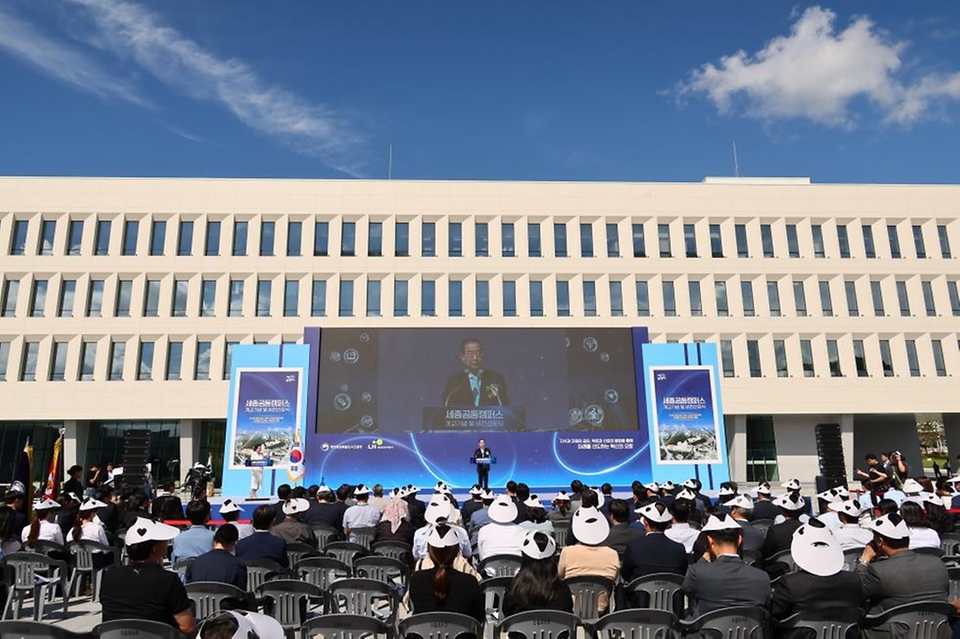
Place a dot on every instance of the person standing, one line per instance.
(256, 470)
(483, 468)
(73, 483)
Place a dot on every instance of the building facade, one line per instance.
(121, 299)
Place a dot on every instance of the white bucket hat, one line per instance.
(476, 490)
(92, 504)
(829, 495)
(442, 487)
(791, 484)
(668, 486)
(538, 545)
(438, 508)
(487, 494)
(741, 501)
(790, 502)
(503, 510)
(296, 506)
(46, 504)
(848, 507)
(816, 550)
(590, 526)
(250, 625)
(361, 490)
(891, 526)
(443, 536)
(562, 496)
(691, 484)
(229, 506)
(652, 513)
(533, 502)
(720, 521)
(912, 487)
(763, 488)
(652, 487)
(687, 494)
(726, 491)
(147, 530)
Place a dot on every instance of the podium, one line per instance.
(483, 461)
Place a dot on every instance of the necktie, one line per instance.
(475, 386)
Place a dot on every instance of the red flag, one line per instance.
(52, 490)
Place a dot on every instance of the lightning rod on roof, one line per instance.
(736, 162)
(390, 161)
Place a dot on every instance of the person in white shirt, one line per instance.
(44, 526)
(437, 511)
(378, 501)
(362, 515)
(680, 530)
(922, 534)
(501, 536)
(231, 512)
(826, 516)
(850, 534)
(87, 527)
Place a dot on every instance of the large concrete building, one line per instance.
(121, 298)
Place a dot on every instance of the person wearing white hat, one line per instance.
(763, 507)
(536, 516)
(695, 486)
(560, 507)
(363, 515)
(850, 534)
(239, 624)
(220, 564)
(741, 509)
(230, 512)
(291, 529)
(683, 507)
(44, 526)
(87, 528)
(906, 576)
(501, 536)
(724, 579)
(922, 534)
(441, 587)
(481, 516)
(589, 557)
(911, 487)
(654, 552)
(826, 516)
(780, 535)
(134, 591)
(536, 586)
(728, 490)
(820, 580)
(439, 510)
(197, 539)
(472, 505)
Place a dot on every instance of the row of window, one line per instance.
(151, 292)
(770, 246)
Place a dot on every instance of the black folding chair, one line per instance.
(638, 624)
(587, 591)
(920, 620)
(736, 622)
(37, 630)
(439, 625)
(540, 624)
(345, 627)
(208, 597)
(825, 623)
(135, 629)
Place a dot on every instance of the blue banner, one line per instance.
(685, 422)
(267, 410)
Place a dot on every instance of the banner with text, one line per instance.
(268, 414)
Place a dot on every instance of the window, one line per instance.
(48, 233)
(669, 299)
(616, 299)
(806, 358)
(373, 297)
(456, 239)
(780, 357)
(151, 299)
(11, 288)
(181, 290)
(124, 298)
(174, 361)
(928, 302)
(850, 289)
(860, 358)
(536, 298)
(4, 360)
(483, 298)
(18, 243)
(88, 360)
(68, 292)
(145, 362)
(894, 239)
(240, 230)
(773, 296)
(903, 298)
(613, 240)
(228, 358)
(348, 239)
(117, 352)
(28, 367)
(716, 241)
(402, 248)
(876, 292)
(800, 298)
(400, 298)
(321, 239)
(869, 248)
(75, 237)
(291, 298)
(938, 362)
(918, 241)
(740, 230)
(643, 299)
(560, 240)
(766, 240)
(185, 239)
(208, 298)
(723, 306)
(663, 233)
(793, 243)
(201, 366)
(563, 298)
(639, 241)
(913, 362)
(816, 231)
(58, 362)
(945, 252)
(826, 300)
(843, 241)
(833, 357)
(589, 298)
(346, 298)
(455, 298)
(954, 297)
(295, 237)
(318, 298)
(38, 298)
(690, 240)
(886, 358)
(101, 239)
(428, 298)
(95, 298)
(753, 358)
(586, 240)
(533, 239)
(264, 292)
(509, 298)
(726, 357)
(696, 300)
(482, 241)
(428, 247)
(508, 239)
(211, 244)
(746, 293)
(236, 299)
(268, 230)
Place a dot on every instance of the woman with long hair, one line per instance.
(537, 586)
(87, 527)
(44, 526)
(443, 588)
(922, 534)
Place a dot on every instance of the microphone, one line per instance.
(446, 400)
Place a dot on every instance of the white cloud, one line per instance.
(817, 73)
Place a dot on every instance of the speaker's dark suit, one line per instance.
(483, 469)
(723, 583)
(493, 390)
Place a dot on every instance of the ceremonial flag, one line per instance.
(52, 491)
(297, 468)
(23, 474)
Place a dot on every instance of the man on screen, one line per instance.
(475, 385)
(483, 468)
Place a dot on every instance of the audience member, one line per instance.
(283, 494)
(261, 544)
(13, 501)
(87, 528)
(291, 529)
(136, 506)
(536, 517)
(501, 536)
(537, 586)
(763, 507)
(239, 624)
(741, 509)
(220, 564)
(621, 533)
(43, 527)
(680, 531)
(363, 515)
(780, 536)
(67, 515)
(826, 516)
(588, 557)
(472, 505)
(560, 507)
(73, 484)
(230, 512)
(395, 524)
(438, 511)
(588, 499)
(654, 552)
(443, 588)
(520, 496)
(481, 516)
(850, 535)
(415, 506)
(922, 534)
(377, 500)
(197, 539)
(167, 505)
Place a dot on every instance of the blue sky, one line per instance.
(851, 92)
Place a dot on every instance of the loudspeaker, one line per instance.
(830, 454)
(826, 482)
(136, 454)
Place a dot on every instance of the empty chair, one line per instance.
(394, 550)
(954, 591)
(208, 597)
(736, 622)
(363, 536)
(826, 623)
(33, 574)
(950, 544)
(638, 624)
(260, 571)
(439, 625)
(345, 551)
(50, 549)
(288, 600)
(36, 630)
(368, 597)
(325, 534)
(135, 629)
(659, 591)
(83, 553)
(540, 624)
(920, 620)
(493, 590)
(500, 566)
(383, 569)
(181, 566)
(345, 627)
(586, 592)
(322, 571)
(298, 550)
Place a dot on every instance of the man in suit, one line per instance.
(261, 544)
(475, 385)
(724, 580)
(741, 509)
(764, 508)
(483, 468)
(780, 536)
(654, 552)
(621, 534)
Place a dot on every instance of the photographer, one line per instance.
(197, 479)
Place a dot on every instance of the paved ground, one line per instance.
(82, 617)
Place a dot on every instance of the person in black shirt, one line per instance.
(144, 590)
(654, 552)
(443, 588)
(73, 483)
(13, 500)
(219, 564)
(283, 493)
(780, 536)
(537, 586)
